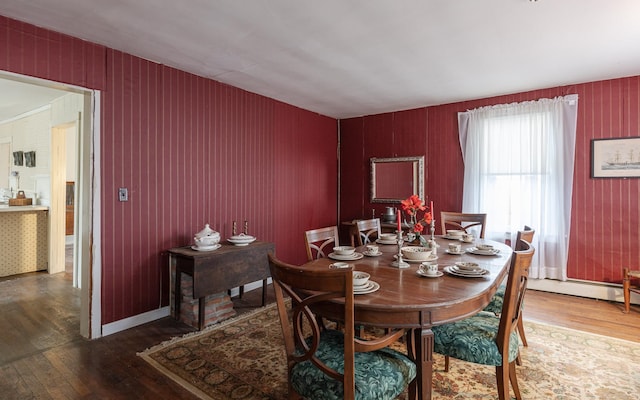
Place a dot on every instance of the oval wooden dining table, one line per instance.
(407, 300)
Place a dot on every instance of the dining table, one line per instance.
(405, 298)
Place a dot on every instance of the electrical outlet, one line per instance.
(123, 194)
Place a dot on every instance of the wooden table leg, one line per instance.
(201, 304)
(264, 292)
(176, 293)
(423, 346)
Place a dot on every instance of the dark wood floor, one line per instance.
(42, 355)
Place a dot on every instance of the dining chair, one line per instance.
(368, 230)
(468, 222)
(627, 287)
(485, 339)
(327, 363)
(495, 305)
(319, 240)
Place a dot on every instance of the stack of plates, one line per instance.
(368, 287)
(241, 239)
(478, 252)
(382, 241)
(350, 257)
(466, 270)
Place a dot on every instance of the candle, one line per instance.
(431, 210)
(399, 224)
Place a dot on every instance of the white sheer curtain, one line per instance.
(518, 168)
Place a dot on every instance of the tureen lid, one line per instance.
(207, 231)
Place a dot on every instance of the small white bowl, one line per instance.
(387, 237)
(484, 246)
(416, 253)
(360, 278)
(344, 250)
(467, 266)
(454, 232)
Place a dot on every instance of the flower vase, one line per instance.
(423, 241)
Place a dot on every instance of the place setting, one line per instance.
(453, 234)
(388, 238)
(483, 249)
(345, 253)
(454, 249)
(362, 284)
(466, 270)
(372, 251)
(429, 270)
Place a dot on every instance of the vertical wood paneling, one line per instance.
(605, 231)
(191, 151)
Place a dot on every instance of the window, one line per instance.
(519, 170)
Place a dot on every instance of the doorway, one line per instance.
(83, 126)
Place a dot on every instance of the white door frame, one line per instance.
(87, 248)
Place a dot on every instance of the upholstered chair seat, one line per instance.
(474, 339)
(382, 374)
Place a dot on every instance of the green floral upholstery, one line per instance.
(473, 339)
(381, 374)
(495, 305)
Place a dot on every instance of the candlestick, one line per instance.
(399, 263)
(246, 227)
(233, 230)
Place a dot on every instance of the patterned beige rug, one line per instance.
(243, 358)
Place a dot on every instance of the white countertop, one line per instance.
(8, 208)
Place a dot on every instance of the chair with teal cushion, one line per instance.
(325, 363)
(495, 305)
(485, 339)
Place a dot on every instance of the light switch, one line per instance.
(123, 194)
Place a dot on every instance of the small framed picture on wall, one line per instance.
(18, 159)
(615, 158)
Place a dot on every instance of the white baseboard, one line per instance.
(589, 289)
(136, 320)
(153, 315)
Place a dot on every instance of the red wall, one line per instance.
(191, 151)
(605, 223)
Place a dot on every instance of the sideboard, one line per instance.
(219, 270)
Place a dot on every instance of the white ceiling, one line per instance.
(346, 58)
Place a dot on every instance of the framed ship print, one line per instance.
(615, 158)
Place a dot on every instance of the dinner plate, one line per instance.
(454, 271)
(455, 253)
(370, 287)
(422, 273)
(478, 252)
(368, 254)
(386, 241)
(206, 248)
(430, 258)
(350, 257)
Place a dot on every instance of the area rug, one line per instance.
(243, 358)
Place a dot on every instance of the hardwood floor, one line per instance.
(43, 356)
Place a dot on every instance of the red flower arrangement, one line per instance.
(413, 206)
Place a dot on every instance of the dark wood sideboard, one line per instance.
(219, 270)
